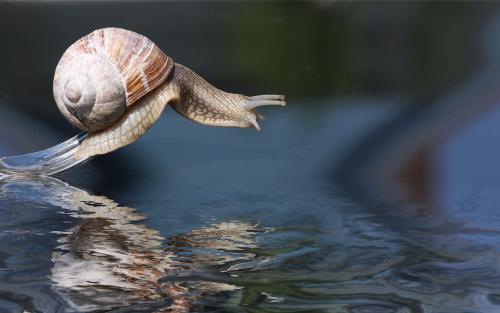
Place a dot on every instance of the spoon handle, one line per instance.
(50, 161)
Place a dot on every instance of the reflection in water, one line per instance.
(108, 260)
(95, 256)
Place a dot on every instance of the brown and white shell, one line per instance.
(103, 73)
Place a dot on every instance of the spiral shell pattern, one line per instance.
(104, 73)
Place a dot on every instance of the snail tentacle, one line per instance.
(267, 97)
(250, 104)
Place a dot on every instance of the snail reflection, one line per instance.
(108, 260)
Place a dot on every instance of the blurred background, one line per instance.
(380, 178)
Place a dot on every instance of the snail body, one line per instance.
(114, 84)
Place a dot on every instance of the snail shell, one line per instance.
(105, 72)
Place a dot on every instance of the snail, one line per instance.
(113, 84)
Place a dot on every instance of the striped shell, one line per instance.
(103, 73)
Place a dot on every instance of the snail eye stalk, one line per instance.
(46, 162)
(263, 100)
